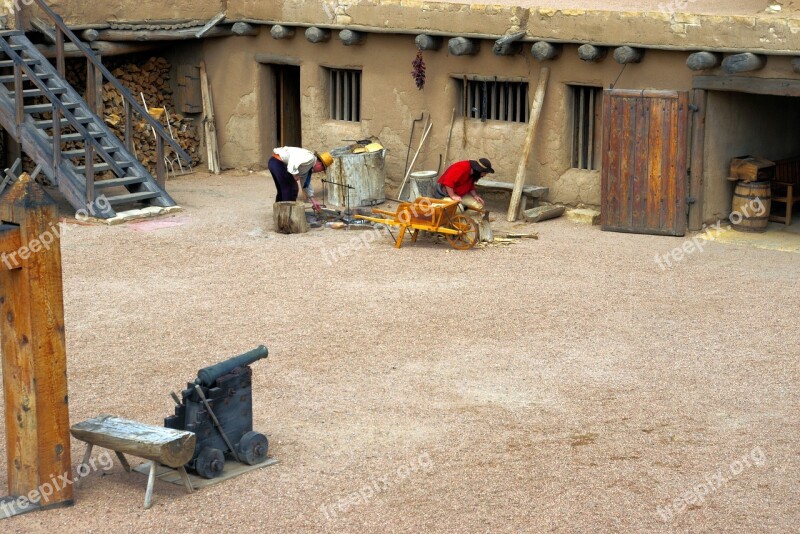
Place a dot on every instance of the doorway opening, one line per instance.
(288, 130)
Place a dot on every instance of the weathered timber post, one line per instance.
(34, 352)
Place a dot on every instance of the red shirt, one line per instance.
(459, 177)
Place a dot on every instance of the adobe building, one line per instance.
(647, 101)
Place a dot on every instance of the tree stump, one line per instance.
(289, 217)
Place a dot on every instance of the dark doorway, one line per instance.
(288, 128)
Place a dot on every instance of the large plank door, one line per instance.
(645, 152)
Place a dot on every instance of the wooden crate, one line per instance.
(752, 169)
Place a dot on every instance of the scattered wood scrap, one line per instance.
(543, 213)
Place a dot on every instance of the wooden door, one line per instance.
(645, 151)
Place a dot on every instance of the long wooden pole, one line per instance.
(410, 167)
(212, 149)
(34, 354)
(449, 135)
(519, 182)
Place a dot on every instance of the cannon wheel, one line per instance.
(253, 448)
(467, 233)
(210, 463)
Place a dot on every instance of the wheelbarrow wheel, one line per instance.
(210, 463)
(253, 448)
(467, 233)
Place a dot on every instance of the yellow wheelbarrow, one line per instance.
(430, 215)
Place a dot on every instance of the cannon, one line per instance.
(218, 408)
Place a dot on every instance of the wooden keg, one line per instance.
(750, 206)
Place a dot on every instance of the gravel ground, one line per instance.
(560, 384)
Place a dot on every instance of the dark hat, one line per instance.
(482, 165)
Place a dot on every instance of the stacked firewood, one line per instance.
(149, 78)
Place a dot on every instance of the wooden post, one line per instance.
(696, 179)
(34, 353)
(538, 102)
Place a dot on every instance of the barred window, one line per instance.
(586, 112)
(345, 94)
(493, 100)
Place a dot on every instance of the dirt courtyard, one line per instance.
(563, 384)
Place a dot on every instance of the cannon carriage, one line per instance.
(218, 408)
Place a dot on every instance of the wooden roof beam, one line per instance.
(461, 46)
(628, 54)
(544, 51)
(746, 62)
(591, 53)
(279, 31)
(352, 38)
(508, 45)
(318, 35)
(703, 61)
(428, 42)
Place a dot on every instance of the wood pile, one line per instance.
(151, 78)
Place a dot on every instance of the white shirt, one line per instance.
(298, 160)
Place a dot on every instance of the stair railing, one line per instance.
(59, 109)
(96, 72)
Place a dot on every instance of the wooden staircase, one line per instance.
(42, 111)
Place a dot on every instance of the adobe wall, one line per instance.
(391, 101)
(665, 27)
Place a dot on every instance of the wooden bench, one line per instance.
(528, 191)
(160, 445)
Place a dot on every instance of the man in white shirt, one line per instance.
(291, 169)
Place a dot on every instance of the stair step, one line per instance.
(81, 152)
(115, 182)
(100, 167)
(10, 78)
(10, 62)
(48, 123)
(132, 197)
(44, 108)
(30, 93)
(78, 137)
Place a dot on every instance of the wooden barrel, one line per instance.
(289, 217)
(364, 173)
(750, 207)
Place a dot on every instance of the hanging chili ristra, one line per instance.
(419, 70)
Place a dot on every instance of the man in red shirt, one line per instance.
(458, 182)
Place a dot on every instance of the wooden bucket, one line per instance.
(750, 207)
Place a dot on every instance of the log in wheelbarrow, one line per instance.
(430, 215)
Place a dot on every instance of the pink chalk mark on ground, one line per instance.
(151, 226)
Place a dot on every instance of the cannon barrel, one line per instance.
(208, 375)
